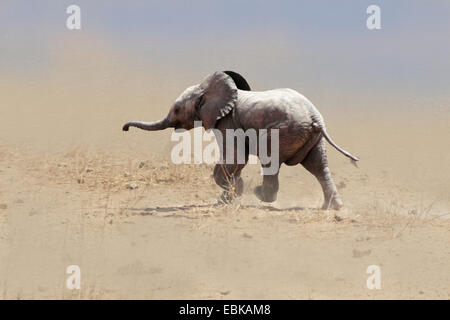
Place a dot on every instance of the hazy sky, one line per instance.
(299, 44)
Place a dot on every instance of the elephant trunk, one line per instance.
(149, 126)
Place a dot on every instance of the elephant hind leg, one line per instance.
(316, 163)
(301, 154)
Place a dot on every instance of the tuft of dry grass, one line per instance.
(96, 169)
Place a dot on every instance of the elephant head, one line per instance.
(209, 101)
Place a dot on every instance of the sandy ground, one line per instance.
(166, 238)
(75, 190)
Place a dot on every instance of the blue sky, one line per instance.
(279, 43)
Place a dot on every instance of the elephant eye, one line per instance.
(177, 110)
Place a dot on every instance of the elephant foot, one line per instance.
(226, 198)
(266, 197)
(335, 204)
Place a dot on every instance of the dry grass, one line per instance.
(109, 173)
(96, 169)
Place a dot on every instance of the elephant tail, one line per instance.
(345, 153)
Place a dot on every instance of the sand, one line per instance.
(75, 190)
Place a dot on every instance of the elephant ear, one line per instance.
(219, 98)
(239, 80)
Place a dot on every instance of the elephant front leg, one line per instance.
(267, 192)
(228, 177)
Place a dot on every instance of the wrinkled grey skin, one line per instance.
(224, 101)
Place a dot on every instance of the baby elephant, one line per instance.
(224, 101)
